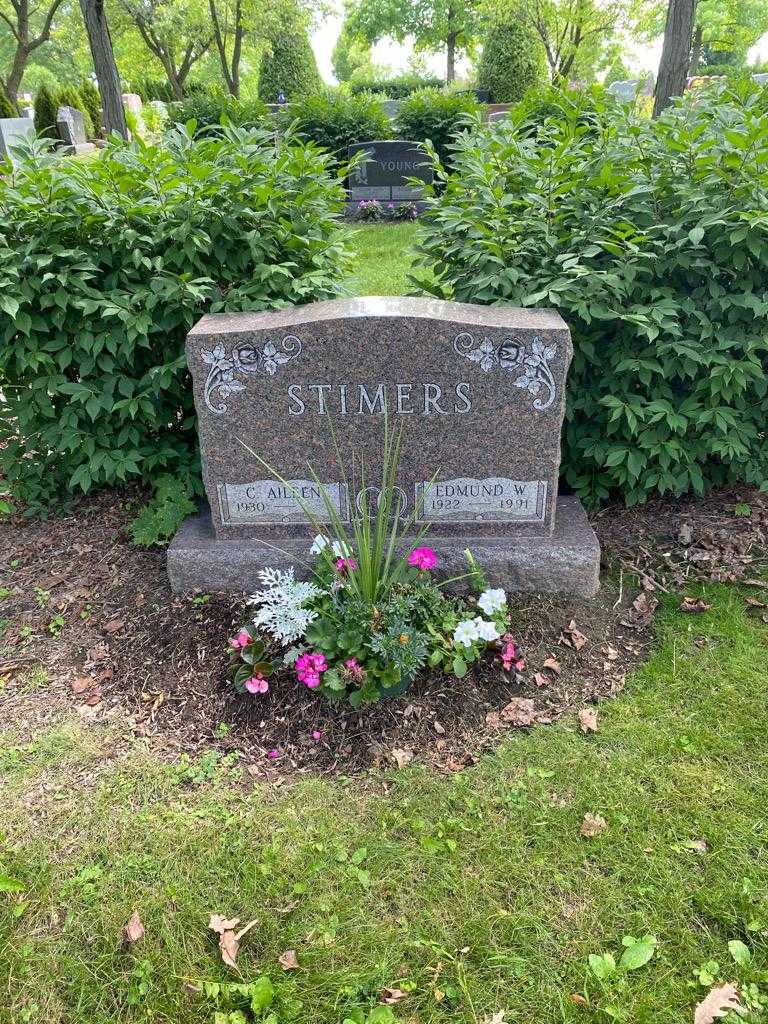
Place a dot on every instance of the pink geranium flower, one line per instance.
(309, 667)
(510, 654)
(423, 559)
(242, 640)
(316, 735)
(345, 565)
(256, 684)
(355, 669)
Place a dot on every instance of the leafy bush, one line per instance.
(511, 63)
(583, 108)
(161, 517)
(69, 96)
(7, 109)
(91, 97)
(289, 67)
(45, 112)
(104, 267)
(651, 239)
(396, 88)
(335, 120)
(437, 116)
(207, 110)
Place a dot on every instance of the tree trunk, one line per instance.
(450, 68)
(221, 46)
(675, 54)
(107, 75)
(16, 73)
(696, 51)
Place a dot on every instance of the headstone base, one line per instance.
(79, 149)
(568, 562)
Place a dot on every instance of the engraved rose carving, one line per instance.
(511, 356)
(246, 358)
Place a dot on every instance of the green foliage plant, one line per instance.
(398, 87)
(651, 239)
(207, 109)
(288, 66)
(334, 120)
(106, 264)
(92, 99)
(436, 116)
(512, 62)
(45, 112)
(7, 109)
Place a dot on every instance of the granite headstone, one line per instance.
(625, 91)
(70, 125)
(14, 130)
(383, 174)
(479, 392)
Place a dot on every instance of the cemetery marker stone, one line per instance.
(71, 128)
(384, 174)
(14, 130)
(479, 392)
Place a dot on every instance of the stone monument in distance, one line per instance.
(478, 390)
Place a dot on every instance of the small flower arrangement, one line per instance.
(373, 210)
(374, 613)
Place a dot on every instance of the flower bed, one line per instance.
(337, 640)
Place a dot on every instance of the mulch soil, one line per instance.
(118, 648)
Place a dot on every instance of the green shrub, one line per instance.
(336, 120)
(69, 96)
(45, 112)
(512, 62)
(91, 97)
(207, 110)
(437, 116)
(288, 66)
(651, 239)
(396, 88)
(104, 267)
(7, 108)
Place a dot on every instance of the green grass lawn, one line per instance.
(470, 893)
(382, 259)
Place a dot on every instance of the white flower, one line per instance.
(321, 542)
(466, 632)
(491, 601)
(282, 612)
(486, 630)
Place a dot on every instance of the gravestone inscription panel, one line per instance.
(479, 393)
(383, 175)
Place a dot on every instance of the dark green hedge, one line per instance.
(651, 239)
(104, 267)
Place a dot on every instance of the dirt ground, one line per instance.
(88, 623)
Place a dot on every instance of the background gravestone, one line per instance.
(625, 91)
(479, 392)
(12, 131)
(70, 125)
(384, 174)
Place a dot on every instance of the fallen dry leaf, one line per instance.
(553, 665)
(593, 825)
(520, 711)
(81, 684)
(694, 604)
(390, 996)
(497, 1018)
(439, 728)
(113, 625)
(716, 1004)
(541, 680)
(698, 846)
(402, 757)
(288, 960)
(611, 653)
(133, 931)
(572, 637)
(588, 720)
(578, 999)
(94, 698)
(641, 612)
(754, 603)
(229, 940)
